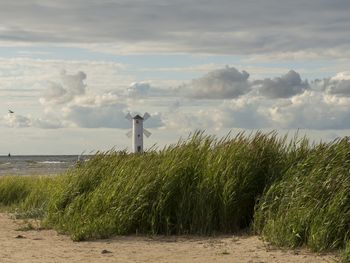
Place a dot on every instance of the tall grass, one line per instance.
(311, 204)
(26, 194)
(199, 186)
(292, 192)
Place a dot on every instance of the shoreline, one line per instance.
(49, 246)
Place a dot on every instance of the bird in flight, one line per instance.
(10, 111)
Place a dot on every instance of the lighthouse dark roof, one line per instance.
(138, 117)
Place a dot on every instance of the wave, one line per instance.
(51, 162)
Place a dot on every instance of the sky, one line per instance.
(71, 70)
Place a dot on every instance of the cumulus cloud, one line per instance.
(338, 87)
(312, 110)
(218, 84)
(17, 121)
(345, 75)
(21, 121)
(70, 87)
(75, 106)
(232, 101)
(285, 86)
(138, 89)
(143, 89)
(245, 112)
(285, 102)
(97, 100)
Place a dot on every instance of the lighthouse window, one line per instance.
(138, 135)
(137, 121)
(139, 148)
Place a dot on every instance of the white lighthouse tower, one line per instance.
(137, 131)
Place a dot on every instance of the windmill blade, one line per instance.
(128, 116)
(129, 134)
(147, 133)
(146, 116)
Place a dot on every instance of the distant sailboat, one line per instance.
(9, 155)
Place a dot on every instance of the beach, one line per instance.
(18, 244)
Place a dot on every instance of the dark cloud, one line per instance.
(218, 84)
(285, 86)
(224, 27)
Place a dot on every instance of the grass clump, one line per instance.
(310, 205)
(27, 196)
(198, 186)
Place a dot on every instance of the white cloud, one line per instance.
(89, 109)
(337, 87)
(70, 87)
(20, 121)
(138, 89)
(312, 110)
(17, 121)
(221, 99)
(345, 75)
(246, 112)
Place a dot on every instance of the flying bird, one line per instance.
(10, 111)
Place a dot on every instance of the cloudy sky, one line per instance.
(71, 70)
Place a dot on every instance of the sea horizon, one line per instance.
(38, 164)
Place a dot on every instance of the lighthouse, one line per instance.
(137, 132)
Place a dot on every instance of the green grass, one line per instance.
(26, 196)
(291, 192)
(199, 186)
(310, 205)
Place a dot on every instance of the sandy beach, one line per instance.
(21, 245)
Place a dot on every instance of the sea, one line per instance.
(38, 164)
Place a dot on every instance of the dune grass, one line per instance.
(27, 196)
(310, 205)
(200, 186)
(290, 191)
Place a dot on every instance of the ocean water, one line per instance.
(37, 164)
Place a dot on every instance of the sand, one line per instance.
(47, 246)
